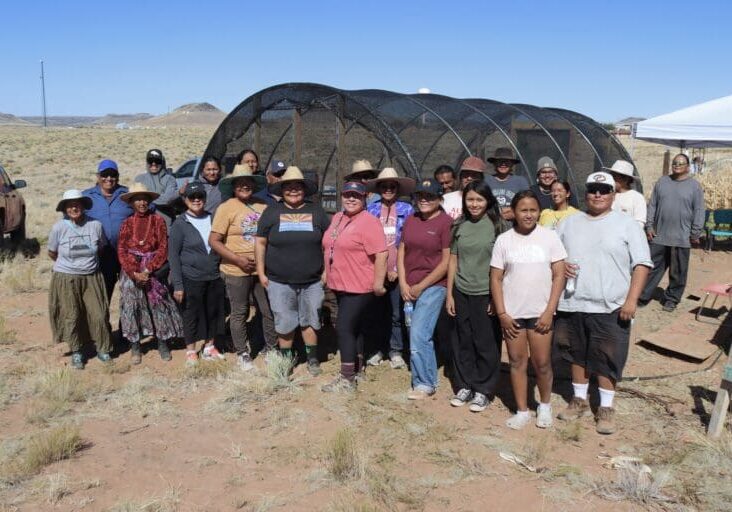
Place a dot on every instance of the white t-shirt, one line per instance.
(526, 262)
(633, 203)
(607, 249)
(452, 203)
(203, 226)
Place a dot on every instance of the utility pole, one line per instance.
(43, 96)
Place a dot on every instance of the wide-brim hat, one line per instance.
(73, 195)
(503, 154)
(226, 184)
(621, 167)
(406, 185)
(293, 173)
(475, 164)
(361, 167)
(138, 189)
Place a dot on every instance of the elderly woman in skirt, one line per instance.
(77, 301)
(146, 307)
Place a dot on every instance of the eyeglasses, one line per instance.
(602, 189)
(154, 162)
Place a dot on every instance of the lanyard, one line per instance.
(335, 234)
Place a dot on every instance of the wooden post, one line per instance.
(666, 162)
(340, 134)
(297, 125)
(721, 404)
(257, 125)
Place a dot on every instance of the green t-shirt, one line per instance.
(473, 245)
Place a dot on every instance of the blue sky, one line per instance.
(606, 59)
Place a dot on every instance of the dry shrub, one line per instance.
(344, 459)
(168, 502)
(717, 189)
(55, 392)
(25, 458)
(570, 432)
(391, 492)
(209, 370)
(635, 483)
(22, 275)
(7, 336)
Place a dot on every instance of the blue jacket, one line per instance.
(403, 210)
(109, 213)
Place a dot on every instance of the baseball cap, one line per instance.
(276, 168)
(194, 188)
(429, 186)
(107, 165)
(354, 186)
(600, 178)
(154, 155)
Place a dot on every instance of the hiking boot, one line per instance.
(339, 385)
(605, 420)
(397, 362)
(577, 408)
(544, 417)
(77, 361)
(191, 358)
(314, 367)
(104, 357)
(375, 360)
(669, 306)
(135, 353)
(164, 350)
(245, 362)
(211, 353)
(479, 402)
(461, 398)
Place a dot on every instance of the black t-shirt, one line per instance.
(294, 252)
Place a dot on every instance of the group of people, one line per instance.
(467, 260)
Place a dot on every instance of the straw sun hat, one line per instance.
(361, 167)
(406, 185)
(293, 174)
(226, 184)
(138, 189)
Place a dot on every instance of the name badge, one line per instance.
(390, 230)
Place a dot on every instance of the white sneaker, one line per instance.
(519, 420)
(375, 360)
(397, 362)
(544, 417)
(245, 362)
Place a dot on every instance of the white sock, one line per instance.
(606, 397)
(543, 407)
(580, 390)
(523, 413)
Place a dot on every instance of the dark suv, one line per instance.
(12, 207)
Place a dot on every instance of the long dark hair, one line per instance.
(479, 187)
(525, 194)
(244, 152)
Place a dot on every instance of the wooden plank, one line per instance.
(721, 404)
(687, 337)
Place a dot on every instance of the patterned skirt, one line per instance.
(143, 313)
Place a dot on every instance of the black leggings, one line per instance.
(353, 310)
(477, 352)
(203, 309)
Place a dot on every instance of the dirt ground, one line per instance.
(159, 437)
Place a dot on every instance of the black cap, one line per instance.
(155, 155)
(195, 188)
(428, 186)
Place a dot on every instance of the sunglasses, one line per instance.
(109, 175)
(154, 162)
(389, 186)
(594, 188)
(197, 197)
(504, 163)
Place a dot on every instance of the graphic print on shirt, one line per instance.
(296, 222)
(503, 196)
(527, 254)
(80, 246)
(249, 226)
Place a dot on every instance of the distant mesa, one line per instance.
(190, 114)
(11, 120)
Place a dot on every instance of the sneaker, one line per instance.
(479, 402)
(375, 360)
(461, 398)
(544, 417)
(314, 367)
(77, 361)
(519, 420)
(605, 420)
(211, 353)
(339, 385)
(104, 357)
(135, 353)
(397, 362)
(669, 306)
(165, 354)
(245, 362)
(191, 358)
(577, 408)
(419, 394)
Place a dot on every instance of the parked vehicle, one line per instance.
(187, 172)
(12, 207)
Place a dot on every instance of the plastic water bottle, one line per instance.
(572, 283)
(408, 310)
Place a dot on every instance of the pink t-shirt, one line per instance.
(423, 242)
(349, 248)
(526, 261)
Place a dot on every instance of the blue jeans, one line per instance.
(422, 346)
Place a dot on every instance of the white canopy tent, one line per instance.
(705, 125)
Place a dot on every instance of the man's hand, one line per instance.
(450, 305)
(415, 291)
(178, 295)
(392, 276)
(246, 264)
(627, 311)
(650, 234)
(264, 281)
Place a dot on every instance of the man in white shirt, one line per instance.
(627, 200)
